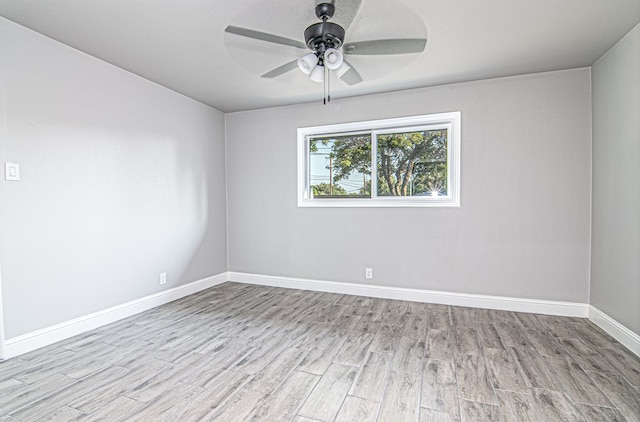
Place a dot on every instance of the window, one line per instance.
(409, 161)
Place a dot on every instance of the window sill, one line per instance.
(379, 203)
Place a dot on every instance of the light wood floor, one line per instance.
(239, 352)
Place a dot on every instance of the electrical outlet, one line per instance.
(163, 278)
(368, 273)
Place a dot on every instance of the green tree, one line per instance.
(412, 162)
(352, 153)
(325, 189)
(408, 163)
(348, 154)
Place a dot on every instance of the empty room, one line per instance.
(318, 211)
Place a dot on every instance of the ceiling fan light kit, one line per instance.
(333, 58)
(317, 74)
(307, 62)
(326, 41)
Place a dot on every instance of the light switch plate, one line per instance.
(12, 171)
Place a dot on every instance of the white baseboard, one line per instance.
(502, 303)
(46, 336)
(616, 330)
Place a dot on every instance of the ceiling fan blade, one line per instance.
(351, 76)
(281, 69)
(263, 36)
(390, 46)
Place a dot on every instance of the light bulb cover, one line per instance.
(333, 58)
(317, 74)
(307, 62)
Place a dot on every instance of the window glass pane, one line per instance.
(340, 166)
(412, 163)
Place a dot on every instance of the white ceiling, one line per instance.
(181, 44)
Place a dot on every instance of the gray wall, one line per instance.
(615, 264)
(522, 229)
(121, 179)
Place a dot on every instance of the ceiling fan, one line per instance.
(326, 40)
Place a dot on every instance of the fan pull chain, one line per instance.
(324, 93)
(328, 84)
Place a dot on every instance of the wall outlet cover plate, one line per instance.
(12, 171)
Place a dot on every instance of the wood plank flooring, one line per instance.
(239, 352)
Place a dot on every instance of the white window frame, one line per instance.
(450, 121)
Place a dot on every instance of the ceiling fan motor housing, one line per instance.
(323, 35)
